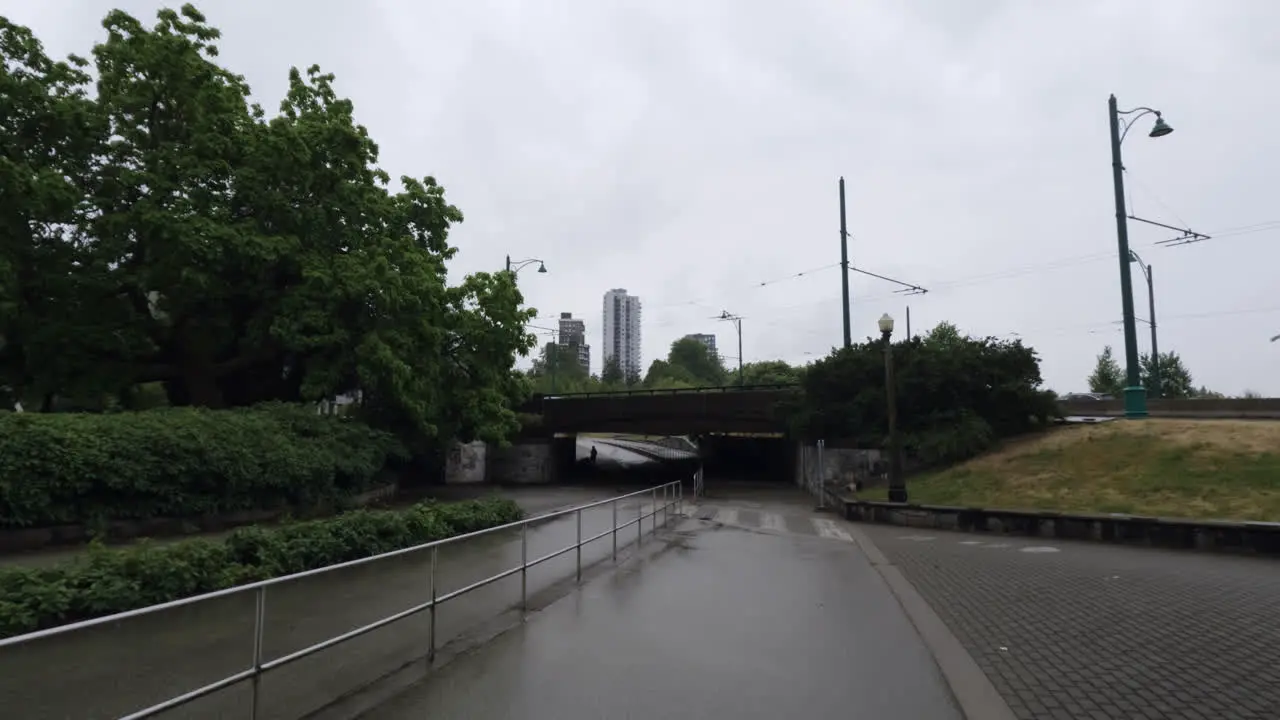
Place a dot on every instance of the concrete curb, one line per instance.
(1223, 536)
(972, 690)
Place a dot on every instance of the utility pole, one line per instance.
(737, 324)
(844, 266)
(1148, 272)
(908, 322)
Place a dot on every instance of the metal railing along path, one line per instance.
(663, 498)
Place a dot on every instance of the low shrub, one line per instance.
(181, 462)
(107, 581)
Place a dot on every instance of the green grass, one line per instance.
(1170, 468)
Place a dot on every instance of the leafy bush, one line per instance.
(180, 462)
(107, 581)
(956, 396)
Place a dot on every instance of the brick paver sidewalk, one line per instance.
(1081, 631)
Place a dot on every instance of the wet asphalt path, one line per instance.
(776, 614)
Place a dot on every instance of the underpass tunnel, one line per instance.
(624, 459)
(756, 458)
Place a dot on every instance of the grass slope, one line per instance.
(1173, 468)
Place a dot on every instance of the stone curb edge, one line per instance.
(972, 689)
(1224, 536)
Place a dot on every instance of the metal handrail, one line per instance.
(672, 497)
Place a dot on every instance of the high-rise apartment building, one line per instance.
(573, 334)
(708, 340)
(622, 331)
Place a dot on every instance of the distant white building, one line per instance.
(622, 331)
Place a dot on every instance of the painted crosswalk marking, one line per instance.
(772, 522)
(828, 529)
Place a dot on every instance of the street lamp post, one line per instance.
(517, 266)
(1135, 397)
(1148, 272)
(897, 487)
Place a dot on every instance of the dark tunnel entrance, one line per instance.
(746, 458)
(647, 460)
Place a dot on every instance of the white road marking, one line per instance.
(772, 521)
(828, 529)
(1040, 549)
(970, 542)
(690, 510)
(727, 516)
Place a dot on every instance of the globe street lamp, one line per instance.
(897, 488)
(521, 264)
(1135, 397)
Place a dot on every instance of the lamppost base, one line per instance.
(897, 495)
(1135, 402)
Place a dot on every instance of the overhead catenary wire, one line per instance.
(934, 287)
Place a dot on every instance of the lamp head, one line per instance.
(1160, 128)
(886, 324)
(542, 267)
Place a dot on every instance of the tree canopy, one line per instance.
(956, 395)
(160, 228)
(1175, 380)
(689, 363)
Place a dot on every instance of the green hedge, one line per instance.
(107, 581)
(180, 462)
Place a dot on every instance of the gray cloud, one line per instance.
(689, 152)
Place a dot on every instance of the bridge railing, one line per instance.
(669, 391)
(663, 499)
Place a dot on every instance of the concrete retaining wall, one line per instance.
(466, 464)
(1258, 538)
(524, 463)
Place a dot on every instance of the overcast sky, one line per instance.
(689, 151)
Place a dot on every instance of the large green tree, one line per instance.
(689, 363)
(187, 239)
(770, 372)
(1175, 379)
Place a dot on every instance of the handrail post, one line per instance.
(524, 568)
(579, 546)
(431, 630)
(653, 504)
(615, 529)
(259, 623)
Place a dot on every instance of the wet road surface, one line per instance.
(114, 669)
(785, 618)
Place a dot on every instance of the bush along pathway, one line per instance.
(107, 581)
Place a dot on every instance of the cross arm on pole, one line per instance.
(1187, 236)
(906, 287)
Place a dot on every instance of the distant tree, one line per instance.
(611, 374)
(1175, 379)
(1204, 393)
(1107, 377)
(557, 370)
(1251, 395)
(944, 333)
(770, 372)
(696, 360)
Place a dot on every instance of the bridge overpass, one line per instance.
(759, 409)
